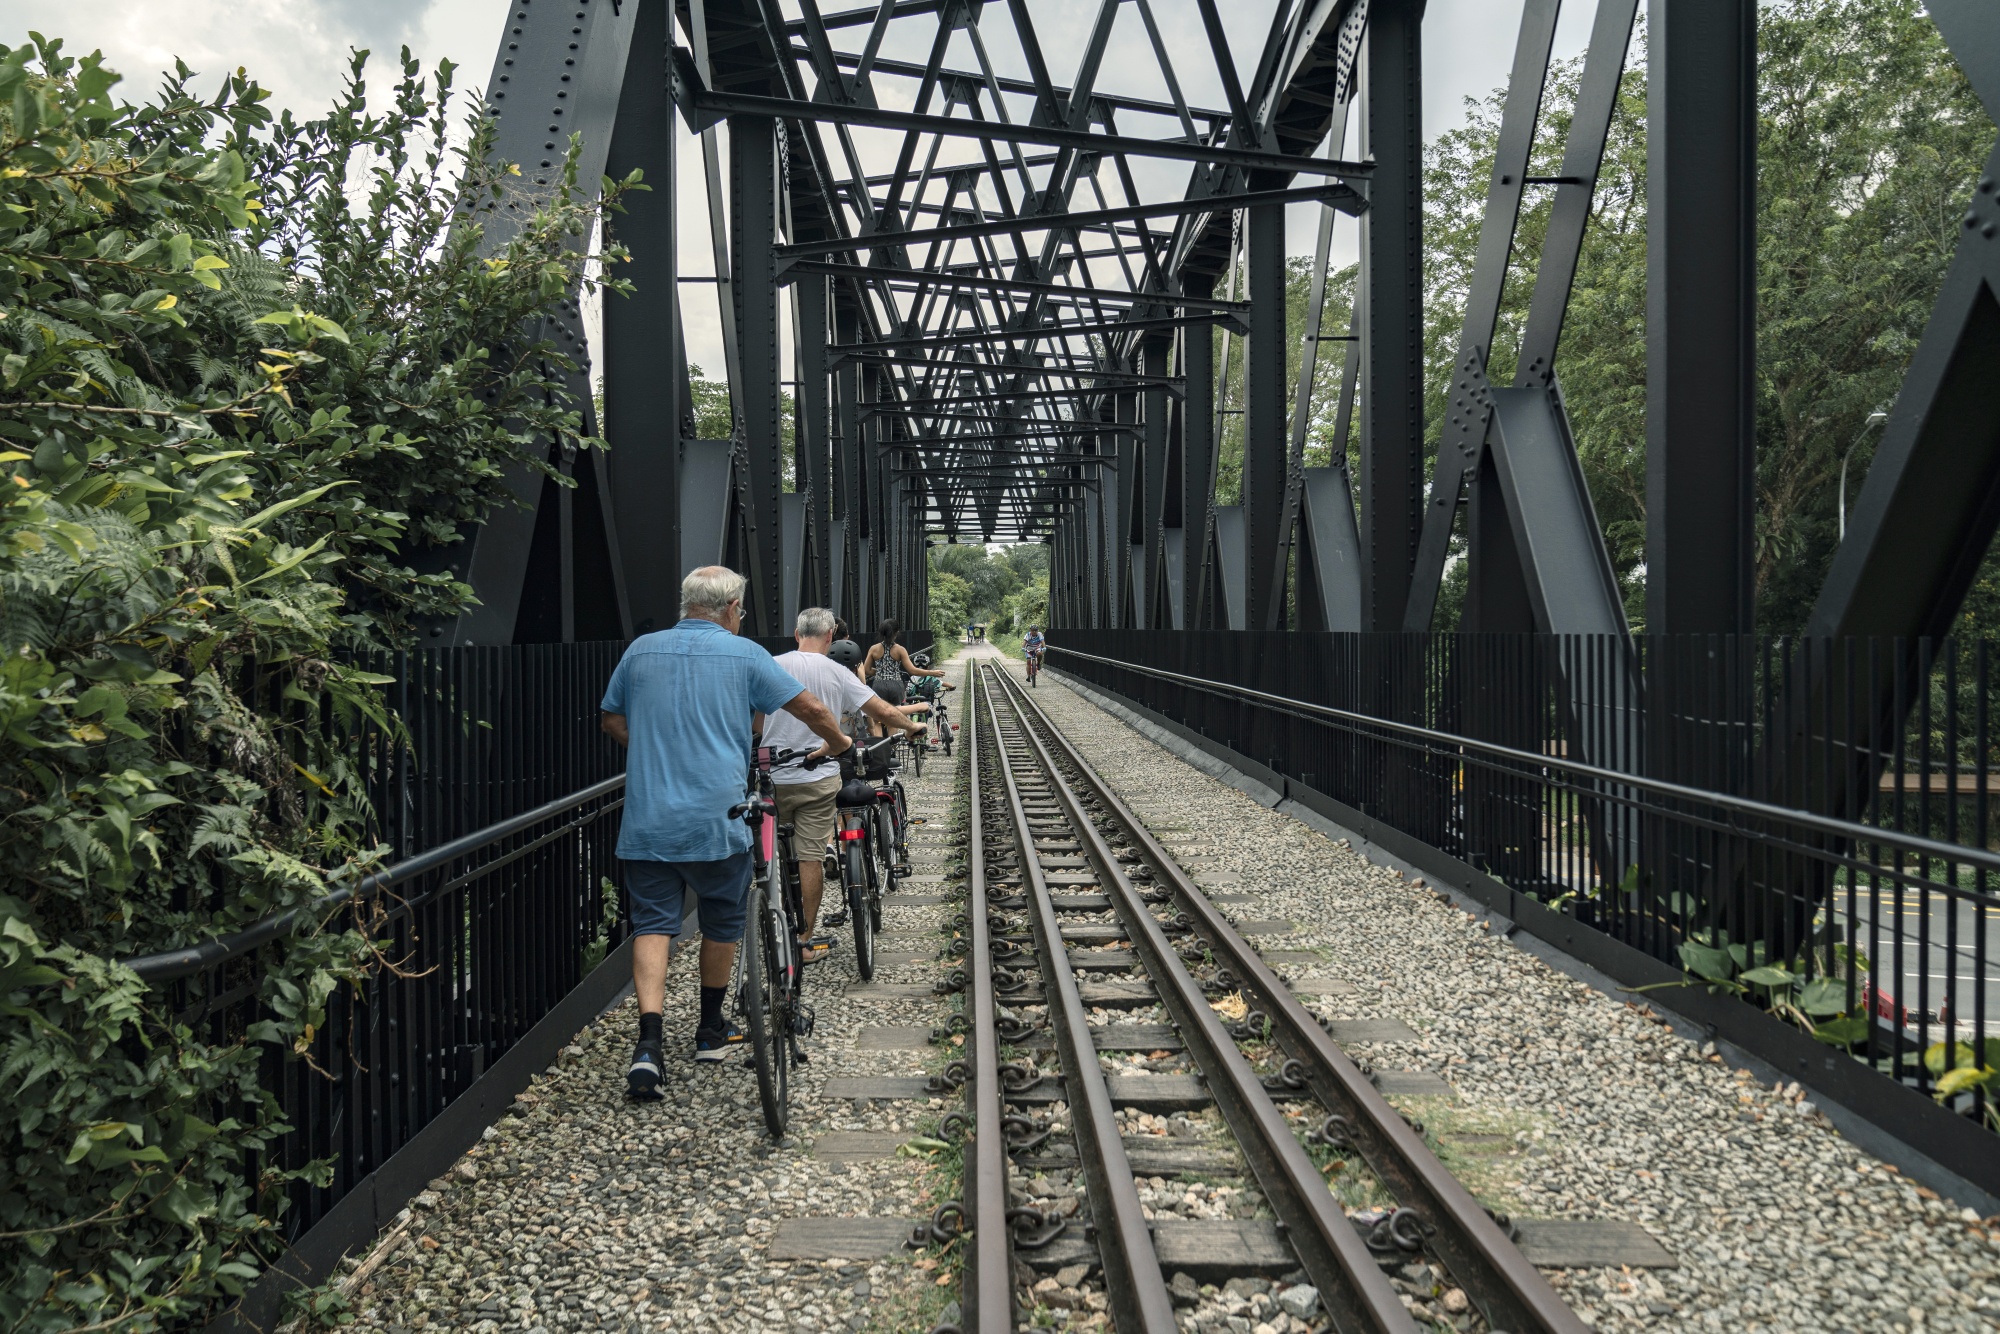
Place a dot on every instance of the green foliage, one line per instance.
(1336, 318)
(1870, 140)
(225, 384)
(950, 608)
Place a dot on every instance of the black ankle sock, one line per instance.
(649, 1028)
(711, 1007)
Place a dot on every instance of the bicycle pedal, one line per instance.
(834, 919)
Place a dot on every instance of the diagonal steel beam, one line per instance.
(822, 113)
(1340, 196)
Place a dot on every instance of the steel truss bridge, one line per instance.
(1005, 303)
(1006, 282)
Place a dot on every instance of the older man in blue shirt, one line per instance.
(680, 703)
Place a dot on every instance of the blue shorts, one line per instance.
(657, 891)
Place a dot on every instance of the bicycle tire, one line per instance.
(855, 874)
(899, 810)
(771, 1041)
(768, 1012)
(917, 755)
(884, 855)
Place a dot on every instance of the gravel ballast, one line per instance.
(1570, 1104)
(586, 1211)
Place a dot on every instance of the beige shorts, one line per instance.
(809, 809)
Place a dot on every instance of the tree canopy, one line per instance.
(1870, 140)
(256, 375)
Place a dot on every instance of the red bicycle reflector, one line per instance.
(852, 835)
(954, 727)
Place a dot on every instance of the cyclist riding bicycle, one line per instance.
(1032, 647)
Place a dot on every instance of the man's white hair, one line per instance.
(813, 623)
(710, 589)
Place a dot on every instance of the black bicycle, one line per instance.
(866, 873)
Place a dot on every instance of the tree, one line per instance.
(989, 579)
(233, 402)
(1870, 141)
(950, 607)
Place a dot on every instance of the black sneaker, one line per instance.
(643, 1079)
(713, 1044)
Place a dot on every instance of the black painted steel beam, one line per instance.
(739, 104)
(1701, 296)
(902, 278)
(1392, 399)
(1340, 196)
(1049, 331)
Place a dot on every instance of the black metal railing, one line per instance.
(1805, 825)
(501, 801)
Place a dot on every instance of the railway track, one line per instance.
(1078, 920)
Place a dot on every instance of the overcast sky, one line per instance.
(299, 47)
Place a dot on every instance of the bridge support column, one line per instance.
(812, 423)
(1125, 580)
(644, 360)
(1701, 294)
(1264, 419)
(1392, 267)
(847, 472)
(1197, 465)
(1153, 407)
(753, 283)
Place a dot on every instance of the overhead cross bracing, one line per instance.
(1033, 210)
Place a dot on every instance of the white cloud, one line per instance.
(299, 49)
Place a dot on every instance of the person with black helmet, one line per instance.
(806, 799)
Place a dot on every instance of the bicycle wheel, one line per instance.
(899, 810)
(854, 874)
(883, 858)
(767, 1007)
(917, 749)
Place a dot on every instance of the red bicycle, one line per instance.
(772, 972)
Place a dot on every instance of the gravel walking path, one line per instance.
(584, 1210)
(1568, 1103)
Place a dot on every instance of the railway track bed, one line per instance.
(583, 1212)
(1184, 1122)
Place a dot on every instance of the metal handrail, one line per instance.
(171, 965)
(1915, 844)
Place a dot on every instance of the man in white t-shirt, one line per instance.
(806, 798)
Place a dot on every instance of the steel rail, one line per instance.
(1357, 1296)
(1509, 1292)
(1140, 1303)
(989, 1275)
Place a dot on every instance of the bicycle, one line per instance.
(772, 974)
(865, 874)
(1034, 666)
(928, 690)
(941, 719)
